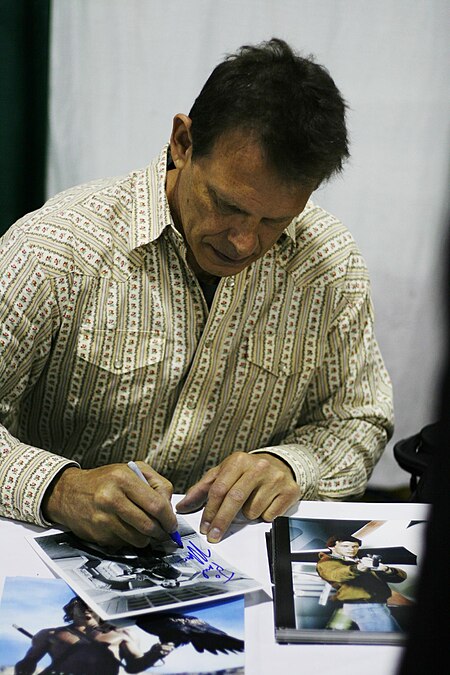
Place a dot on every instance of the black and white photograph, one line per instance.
(129, 581)
(46, 628)
(344, 580)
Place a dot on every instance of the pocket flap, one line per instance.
(120, 351)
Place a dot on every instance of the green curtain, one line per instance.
(24, 58)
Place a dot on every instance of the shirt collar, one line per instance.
(290, 230)
(151, 213)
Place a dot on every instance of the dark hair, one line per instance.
(332, 541)
(289, 103)
(68, 609)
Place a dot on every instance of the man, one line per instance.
(88, 646)
(361, 586)
(202, 316)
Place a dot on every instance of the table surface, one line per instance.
(245, 547)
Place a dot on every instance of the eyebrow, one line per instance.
(227, 202)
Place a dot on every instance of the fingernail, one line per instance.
(204, 527)
(214, 535)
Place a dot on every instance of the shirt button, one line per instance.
(117, 365)
(230, 282)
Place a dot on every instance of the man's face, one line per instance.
(84, 616)
(346, 548)
(230, 207)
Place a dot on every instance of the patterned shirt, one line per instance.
(108, 351)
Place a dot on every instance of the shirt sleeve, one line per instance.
(347, 416)
(28, 317)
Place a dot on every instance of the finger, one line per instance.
(122, 534)
(109, 530)
(271, 500)
(223, 505)
(197, 495)
(163, 486)
(279, 506)
(142, 524)
(154, 515)
(153, 495)
(119, 515)
(255, 472)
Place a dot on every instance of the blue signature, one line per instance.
(196, 553)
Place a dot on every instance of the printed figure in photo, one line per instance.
(361, 585)
(86, 645)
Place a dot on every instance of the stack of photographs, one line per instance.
(180, 610)
(342, 580)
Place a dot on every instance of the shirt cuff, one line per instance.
(303, 466)
(26, 474)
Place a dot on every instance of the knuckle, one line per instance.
(218, 490)
(261, 464)
(167, 484)
(116, 473)
(105, 498)
(238, 458)
(236, 495)
(155, 505)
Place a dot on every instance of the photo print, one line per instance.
(344, 580)
(45, 628)
(131, 581)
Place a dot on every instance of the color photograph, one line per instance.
(44, 626)
(345, 580)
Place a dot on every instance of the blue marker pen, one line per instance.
(175, 536)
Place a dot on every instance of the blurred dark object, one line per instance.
(386, 495)
(428, 642)
(24, 58)
(415, 454)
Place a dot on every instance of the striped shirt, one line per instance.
(108, 351)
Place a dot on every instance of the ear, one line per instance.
(181, 140)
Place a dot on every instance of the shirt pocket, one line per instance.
(120, 351)
(273, 354)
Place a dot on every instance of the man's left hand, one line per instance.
(260, 485)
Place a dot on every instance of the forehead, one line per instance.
(79, 605)
(237, 170)
(345, 542)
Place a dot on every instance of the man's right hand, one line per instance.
(110, 505)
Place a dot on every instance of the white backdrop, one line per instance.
(120, 70)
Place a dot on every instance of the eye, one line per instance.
(226, 209)
(223, 207)
(279, 225)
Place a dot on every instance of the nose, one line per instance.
(244, 238)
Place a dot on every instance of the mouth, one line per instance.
(235, 262)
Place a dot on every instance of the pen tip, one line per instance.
(175, 536)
